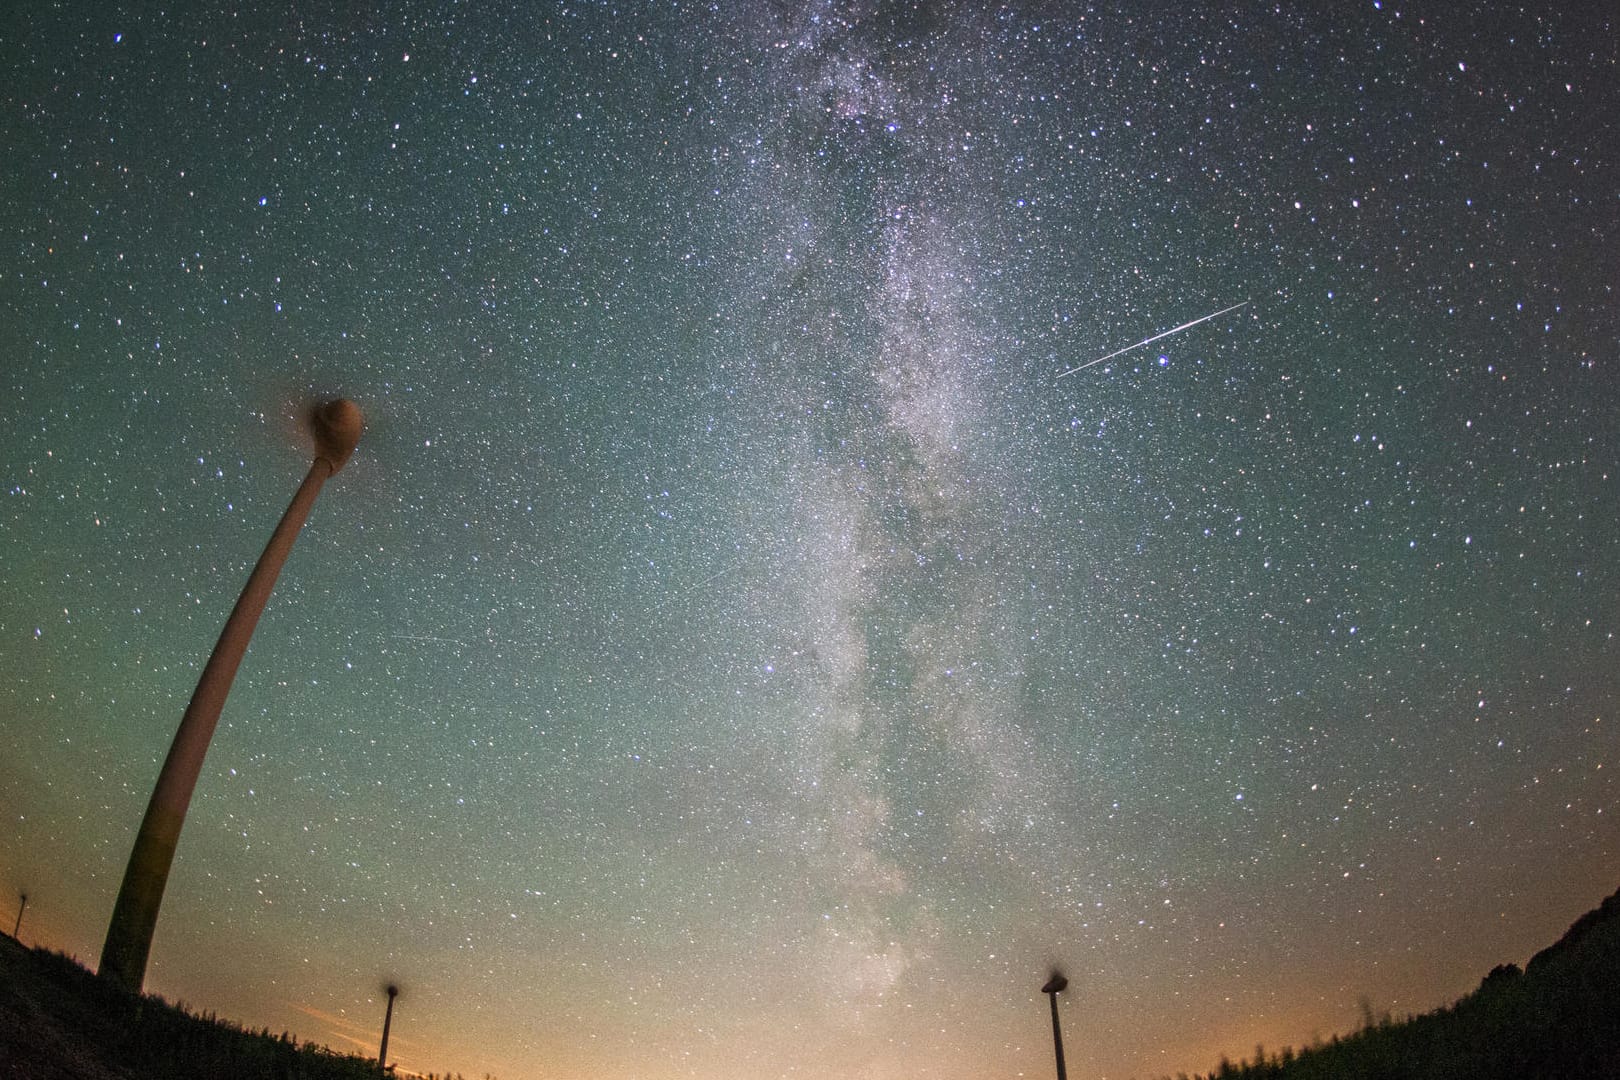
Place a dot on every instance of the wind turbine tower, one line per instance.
(337, 428)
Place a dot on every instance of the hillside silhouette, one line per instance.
(58, 1021)
(1558, 1019)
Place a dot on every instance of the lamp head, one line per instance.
(1055, 984)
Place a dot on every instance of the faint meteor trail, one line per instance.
(715, 577)
(1151, 340)
(680, 592)
(427, 637)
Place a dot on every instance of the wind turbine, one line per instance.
(388, 1020)
(1055, 986)
(336, 428)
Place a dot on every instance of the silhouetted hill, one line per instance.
(60, 1022)
(1559, 1019)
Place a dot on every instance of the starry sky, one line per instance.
(737, 649)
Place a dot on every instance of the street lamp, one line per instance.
(129, 933)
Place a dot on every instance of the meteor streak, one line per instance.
(426, 637)
(1155, 337)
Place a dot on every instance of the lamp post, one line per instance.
(388, 1020)
(129, 933)
(1054, 986)
(16, 931)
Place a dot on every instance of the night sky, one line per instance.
(734, 651)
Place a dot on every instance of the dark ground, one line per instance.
(60, 1022)
(1557, 1018)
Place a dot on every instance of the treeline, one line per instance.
(1558, 1019)
(63, 1020)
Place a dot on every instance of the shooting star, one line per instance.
(716, 576)
(428, 637)
(1155, 337)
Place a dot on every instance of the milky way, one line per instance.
(774, 614)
